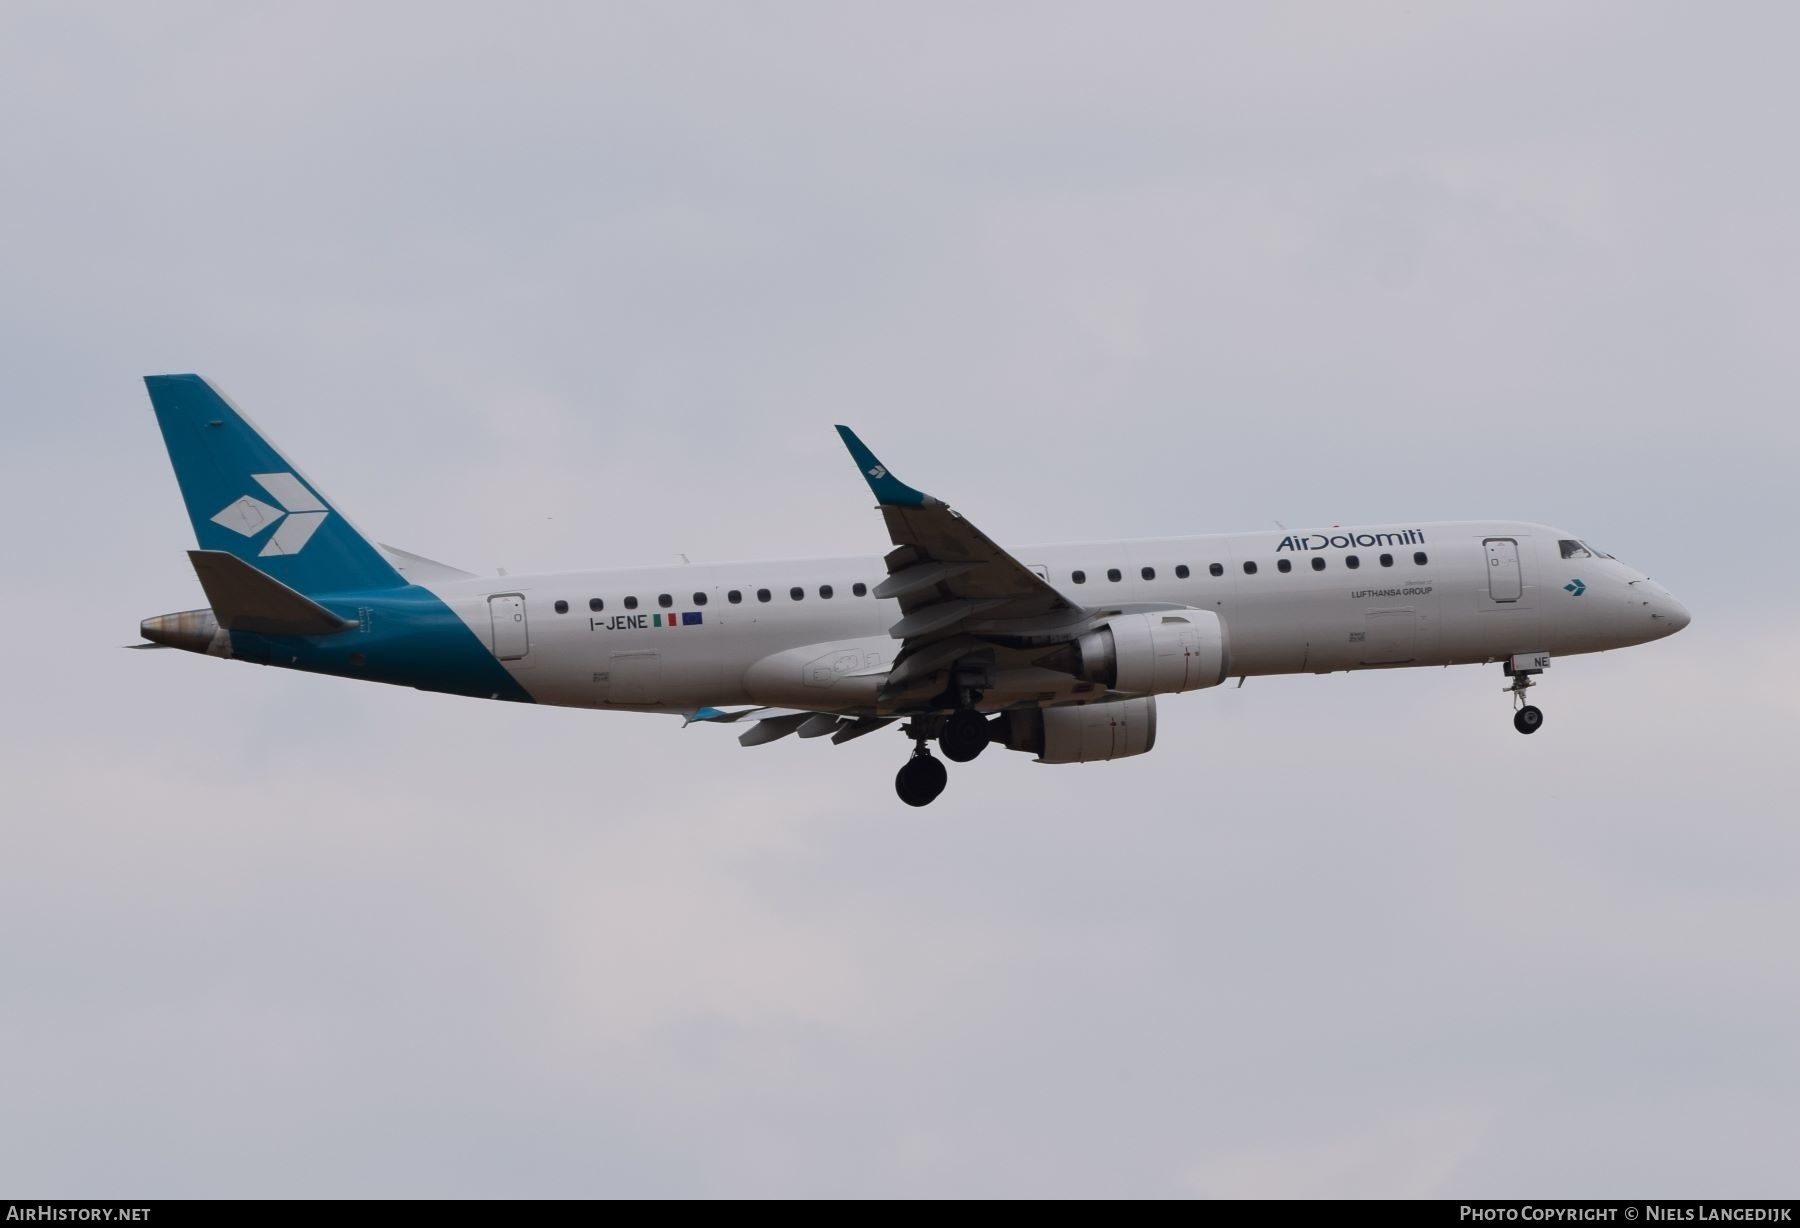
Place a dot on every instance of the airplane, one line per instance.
(1058, 651)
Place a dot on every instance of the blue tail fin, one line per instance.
(247, 500)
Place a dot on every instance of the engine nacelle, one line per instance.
(1084, 733)
(1162, 653)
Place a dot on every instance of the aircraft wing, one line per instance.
(772, 724)
(944, 572)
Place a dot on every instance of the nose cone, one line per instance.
(1671, 615)
(1667, 615)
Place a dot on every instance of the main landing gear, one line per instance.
(1527, 718)
(962, 736)
(921, 779)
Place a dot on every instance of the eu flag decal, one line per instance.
(690, 618)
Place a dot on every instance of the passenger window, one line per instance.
(1149, 573)
(735, 596)
(1114, 574)
(1284, 565)
(1181, 571)
(762, 594)
(1217, 569)
(631, 603)
(825, 591)
(1080, 577)
(859, 589)
(699, 598)
(1318, 563)
(1574, 550)
(797, 593)
(562, 607)
(1352, 562)
(1387, 560)
(595, 604)
(1419, 557)
(664, 600)
(1249, 569)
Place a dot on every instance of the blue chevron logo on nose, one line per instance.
(1575, 588)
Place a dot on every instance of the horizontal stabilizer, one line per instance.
(245, 599)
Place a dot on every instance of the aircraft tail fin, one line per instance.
(246, 500)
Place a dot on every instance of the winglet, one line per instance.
(888, 488)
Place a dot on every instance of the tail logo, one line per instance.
(299, 516)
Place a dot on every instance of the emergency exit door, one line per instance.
(1504, 582)
(511, 640)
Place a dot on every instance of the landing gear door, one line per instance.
(511, 638)
(1504, 582)
(1390, 637)
(635, 677)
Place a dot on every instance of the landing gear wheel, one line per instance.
(965, 736)
(920, 780)
(1528, 719)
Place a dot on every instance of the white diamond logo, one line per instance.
(299, 516)
(293, 532)
(248, 516)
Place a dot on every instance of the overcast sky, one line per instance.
(578, 286)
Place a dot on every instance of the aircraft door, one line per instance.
(1504, 583)
(511, 638)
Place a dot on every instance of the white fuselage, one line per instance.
(1421, 594)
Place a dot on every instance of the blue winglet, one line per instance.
(888, 488)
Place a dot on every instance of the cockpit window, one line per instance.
(1596, 551)
(1572, 549)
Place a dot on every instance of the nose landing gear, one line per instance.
(1527, 718)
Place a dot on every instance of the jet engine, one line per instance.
(1083, 733)
(1160, 653)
